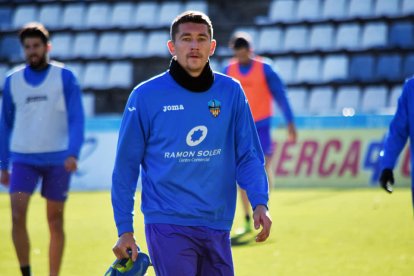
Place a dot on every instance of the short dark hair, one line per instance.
(240, 40)
(191, 17)
(34, 29)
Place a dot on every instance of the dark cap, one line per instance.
(240, 40)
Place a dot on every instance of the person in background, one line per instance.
(191, 133)
(400, 130)
(262, 86)
(42, 131)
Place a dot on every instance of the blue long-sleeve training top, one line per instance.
(192, 148)
(42, 118)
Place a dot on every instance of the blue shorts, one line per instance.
(55, 180)
(265, 139)
(184, 250)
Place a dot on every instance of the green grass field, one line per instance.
(315, 232)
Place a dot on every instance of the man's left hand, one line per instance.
(71, 164)
(262, 218)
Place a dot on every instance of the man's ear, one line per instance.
(171, 47)
(213, 46)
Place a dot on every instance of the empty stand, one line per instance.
(395, 94)
(109, 44)
(11, 49)
(5, 18)
(270, 40)
(308, 10)
(196, 6)
(321, 100)
(321, 37)
(73, 16)
(50, 15)
(282, 10)
(308, 69)
(84, 45)
(334, 9)
(298, 98)
(145, 14)
(374, 99)
(286, 68)
(408, 67)
(407, 7)
(95, 75)
(168, 11)
(362, 68)
(402, 34)
(348, 36)
(296, 38)
(120, 75)
(62, 44)
(347, 97)
(335, 68)
(24, 14)
(134, 44)
(122, 14)
(389, 67)
(374, 35)
(77, 69)
(387, 8)
(97, 15)
(157, 44)
(360, 8)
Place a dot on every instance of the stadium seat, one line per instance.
(62, 45)
(10, 48)
(73, 16)
(389, 67)
(407, 7)
(270, 40)
(51, 15)
(95, 75)
(77, 69)
(334, 9)
(201, 6)
(3, 71)
(360, 9)
(296, 38)
(120, 75)
(298, 99)
(374, 35)
(109, 45)
(157, 44)
(252, 31)
(24, 14)
(362, 68)
(133, 45)
(146, 14)
(347, 97)
(408, 68)
(285, 67)
(168, 11)
(84, 45)
(394, 96)
(6, 15)
(402, 34)
(321, 100)
(122, 14)
(348, 36)
(321, 37)
(374, 100)
(282, 11)
(97, 15)
(387, 8)
(88, 102)
(335, 68)
(308, 69)
(308, 10)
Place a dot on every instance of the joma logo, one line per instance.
(173, 107)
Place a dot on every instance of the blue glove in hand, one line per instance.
(387, 180)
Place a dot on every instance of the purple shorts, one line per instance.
(184, 250)
(265, 139)
(55, 180)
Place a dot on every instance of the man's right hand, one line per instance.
(126, 241)
(5, 178)
(387, 180)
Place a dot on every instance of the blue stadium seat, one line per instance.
(285, 67)
(298, 99)
(120, 75)
(77, 69)
(157, 44)
(334, 9)
(51, 15)
(62, 45)
(321, 100)
(6, 15)
(321, 37)
(335, 68)
(84, 45)
(374, 35)
(98, 15)
(95, 75)
(74, 15)
(296, 38)
(251, 31)
(308, 69)
(402, 34)
(348, 36)
(407, 7)
(24, 14)
(282, 11)
(387, 8)
(362, 68)
(122, 14)
(109, 44)
(347, 97)
(146, 14)
(408, 69)
(394, 96)
(88, 102)
(10, 48)
(389, 67)
(374, 100)
(201, 6)
(168, 11)
(270, 40)
(133, 45)
(360, 8)
(308, 10)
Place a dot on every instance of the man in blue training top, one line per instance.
(42, 130)
(262, 86)
(401, 128)
(191, 132)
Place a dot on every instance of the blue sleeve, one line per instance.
(74, 107)
(398, 131)
(130, 152)
(278, 91)
(250, 172)
(6, 125)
